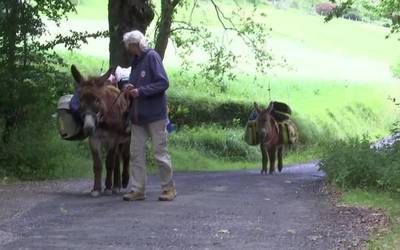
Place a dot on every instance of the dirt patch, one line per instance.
(366, 221)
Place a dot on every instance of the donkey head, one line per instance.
(263, 120)
(91, 104)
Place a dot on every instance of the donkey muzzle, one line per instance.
(263, 133)
(89, 124)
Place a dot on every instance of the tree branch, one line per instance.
(221, 14)
(192, 10)
(73, 41)
(185, 26)
(175, 3)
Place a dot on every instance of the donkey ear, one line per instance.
(270, 106)
(257, 108)
(104, 77)
(76, 74)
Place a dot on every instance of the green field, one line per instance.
(337, 80)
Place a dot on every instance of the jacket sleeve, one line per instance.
(159, 77)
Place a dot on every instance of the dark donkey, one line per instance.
(104, 113)
(270, 144)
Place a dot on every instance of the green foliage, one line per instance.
(390, 9)
(225, 143)
(29, 72)
(356, 10)
(219, 59)
(194, 112)
(365, 9)
(354, 164)
(195, 160)
(31, 81)
(396, 69)
(35, 151)
(370, 11)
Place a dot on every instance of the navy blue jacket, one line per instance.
(149, 77)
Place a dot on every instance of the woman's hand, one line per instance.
(131, 90)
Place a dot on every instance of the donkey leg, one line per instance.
(116, 187)
(272, 159)
(280, 161)
(264, 154)
(95, 150)
(110, 161)
(125, 164)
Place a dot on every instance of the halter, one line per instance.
(91, 113)
(116, 90)
(274, 125)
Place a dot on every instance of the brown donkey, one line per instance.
(270, 144)
(104, 113)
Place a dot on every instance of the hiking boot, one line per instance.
(134, 196)
(168, 195)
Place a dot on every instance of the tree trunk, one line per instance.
(11, 16)
(164, 26)
(124, 16)
(11, 35)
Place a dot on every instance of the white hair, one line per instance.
(135, 37)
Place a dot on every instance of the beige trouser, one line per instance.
(139, 135)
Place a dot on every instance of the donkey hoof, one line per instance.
(95, 193)
(108, 192)
(116, 190)
(125, 182)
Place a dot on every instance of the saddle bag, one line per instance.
(281, 111)
(251, 136)
(68, 127)
(288, 132)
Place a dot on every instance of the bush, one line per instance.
(185, 111)
(354, 164)
(31, 152)
(324, 8)
(35, 150)
(396, 70)
(352, 15)
(215, 141)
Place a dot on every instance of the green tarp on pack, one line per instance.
(251, 133)
(288, 132)
(68, 127)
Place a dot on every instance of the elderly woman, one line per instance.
(147, 84)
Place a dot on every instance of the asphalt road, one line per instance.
(213, 210)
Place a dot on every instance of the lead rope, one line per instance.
(269, 90)
(116, 98)
(102, 66)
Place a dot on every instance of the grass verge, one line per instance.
(390, 202)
